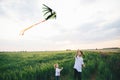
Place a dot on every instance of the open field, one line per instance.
(39, 65)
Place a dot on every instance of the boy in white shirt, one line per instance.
(57, 71)
(78, 65)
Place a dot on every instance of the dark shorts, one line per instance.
(77, 75)
(57, 77)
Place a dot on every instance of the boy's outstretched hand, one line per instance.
(61, 68)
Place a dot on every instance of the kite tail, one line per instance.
(23, 31)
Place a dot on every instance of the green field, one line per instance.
(39, 65)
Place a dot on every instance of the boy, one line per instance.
(57, 71)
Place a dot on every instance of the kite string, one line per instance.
(22, 32)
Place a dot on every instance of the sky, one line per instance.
(80, 24)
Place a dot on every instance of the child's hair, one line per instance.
(77, 53)
(55, 65)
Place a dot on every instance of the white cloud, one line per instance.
(78, 23)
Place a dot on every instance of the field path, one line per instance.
(93, 76)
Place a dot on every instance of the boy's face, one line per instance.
(57, 65)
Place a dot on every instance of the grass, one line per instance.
(39, 65)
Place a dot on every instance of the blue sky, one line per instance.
(79, 24)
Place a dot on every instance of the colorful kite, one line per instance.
(48, 12)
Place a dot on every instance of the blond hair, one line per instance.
(78, 52)
(55, 65)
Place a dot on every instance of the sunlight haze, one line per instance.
(83, 24)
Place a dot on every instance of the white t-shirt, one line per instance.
(57, 72)
(78, 63)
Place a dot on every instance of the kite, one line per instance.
(48, 12)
